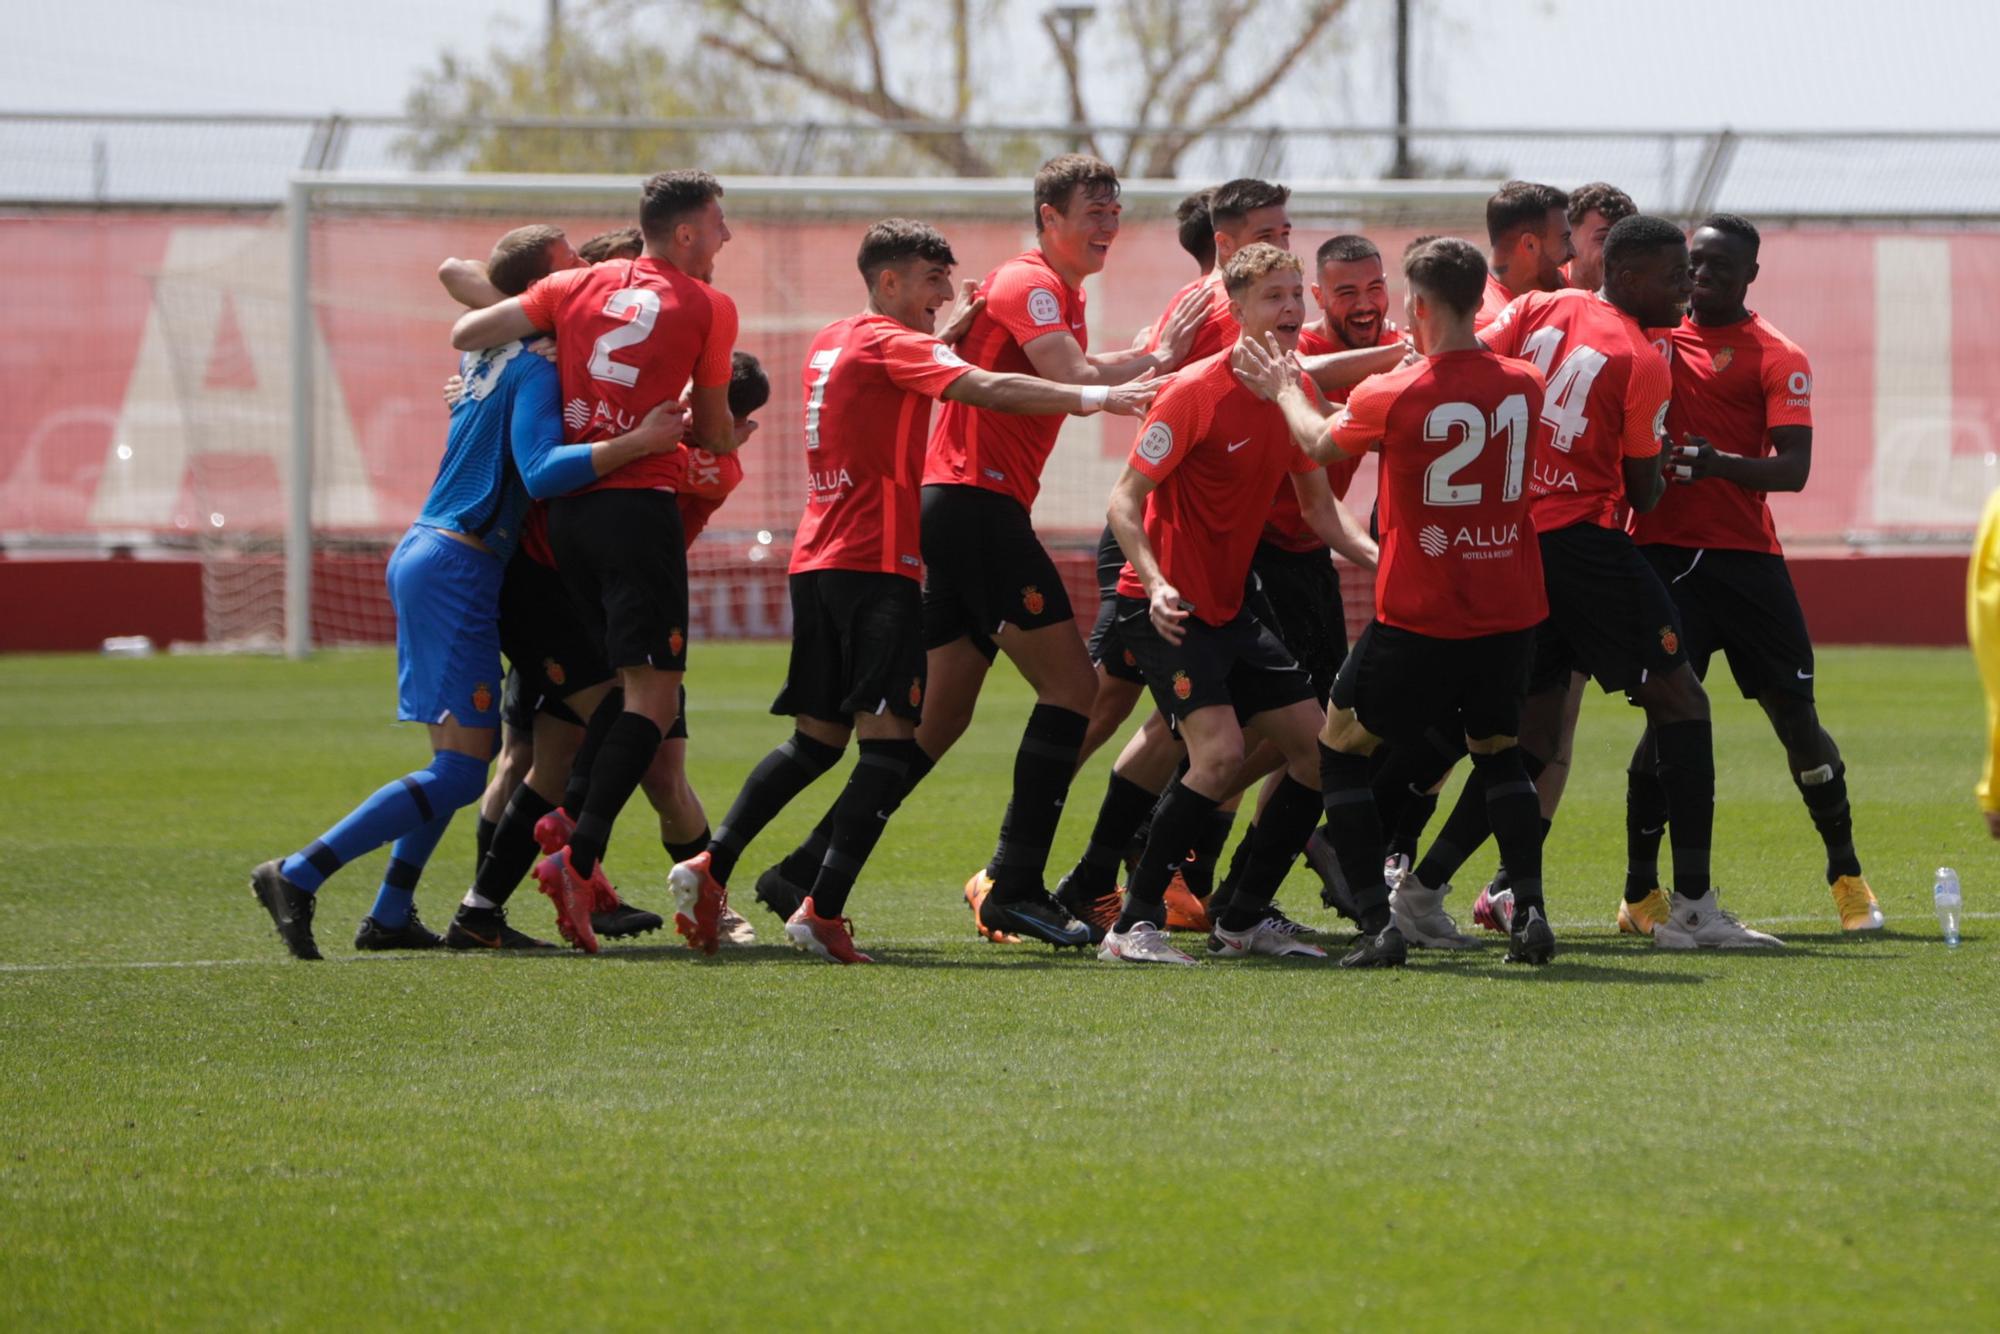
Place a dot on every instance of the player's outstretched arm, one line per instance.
(477, 330)
(466, 281)
(1332, 522)
(1786, 468)
(1059, 357)
(1644, 481)
(1334, 371)
(1029, 396)
(548, 467)
(1271, 373)
(1127, 515)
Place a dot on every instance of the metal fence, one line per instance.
(195, 160)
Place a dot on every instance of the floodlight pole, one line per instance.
(298, 477)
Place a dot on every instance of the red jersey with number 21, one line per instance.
(1456, 432)
(869, 383)
(1216, 452)
(630, 334)
(1026, 299)
(1606, 401)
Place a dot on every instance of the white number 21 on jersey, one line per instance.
(823, 363)
(1510, 421)
(644, 303)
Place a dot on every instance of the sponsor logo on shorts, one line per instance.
(1669, 641)
(1157, 442)
(1723, 358)
(1182, 686)
(554, 671)
(916, 692)
(1032, 600)
(676, 641)
(482, 697)
(1043, 308)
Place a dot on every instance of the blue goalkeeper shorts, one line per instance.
(447, 600)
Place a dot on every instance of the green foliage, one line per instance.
(198, 1131)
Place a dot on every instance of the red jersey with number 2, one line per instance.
(1026, 299)
(869, 383)
(1606, 401)
(1216, 452)
(1456, 432)
(630, 334)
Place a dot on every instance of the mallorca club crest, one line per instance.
(1182, 686)
(1723, 358)
(482, 697)
(676, 641)
(1669, 641)
(553, 670)
(1032, 600)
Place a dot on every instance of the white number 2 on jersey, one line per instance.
(644, 303)
(823, 363)
(1569, 384)
(1510, 420)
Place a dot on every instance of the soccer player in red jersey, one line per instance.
(1188, 510)
(1593, 210)
(857, 665)
(1528, 227)
(1610, 615)
(1457, 595)
(1743, 405)
(630, 335)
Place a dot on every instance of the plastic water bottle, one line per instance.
(1944, 890)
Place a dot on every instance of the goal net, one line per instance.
(375, 352)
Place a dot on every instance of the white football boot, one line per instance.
(1418, 912)
(1144, 943)
(1701, 924)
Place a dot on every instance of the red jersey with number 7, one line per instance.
(630, 334)
(1026, 299)
(869, 384)
(1456, 432)
(1606, 402)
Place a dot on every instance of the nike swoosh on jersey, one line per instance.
(1239, 444)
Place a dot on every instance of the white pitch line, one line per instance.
(867, 942)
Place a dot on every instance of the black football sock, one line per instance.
(1278, 837)
(1463, 831)
(874, 789)
(628, 750)
(1407, 830)
(694, 847)
(1687, 773)
(1043, 767)
(482, 841)
(801, 864)
(1234, 875)
(788, 770)
(1825, 792)
(1356, 829)
(1126, 805)
(1403, 778)
(576, 791)
(1645, 820)
(1514, 812)
(514, 849)
(1199, 869)
(1177, 822)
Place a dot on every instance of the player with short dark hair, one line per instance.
(504, 448)
(1195, 229)
(630, 336)
(1593, 210)
(1610, 615)
(857, 665)
(1742, 407)
(1457, 595)
(1527, 224)
(1187, 511)
(618, 243)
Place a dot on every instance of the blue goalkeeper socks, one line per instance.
(406, 866)
(396, 809)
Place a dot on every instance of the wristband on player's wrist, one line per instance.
(1093, 396)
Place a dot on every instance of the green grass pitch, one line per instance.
(197, 1131)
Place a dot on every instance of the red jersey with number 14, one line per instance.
(1732, 384)
(1216, 452)
(630, 334)
(869, 383)
(1026, 299)
(1606, 400)
(1456, 432)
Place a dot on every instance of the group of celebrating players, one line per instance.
(1572, 484)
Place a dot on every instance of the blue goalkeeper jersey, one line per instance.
(504, 449)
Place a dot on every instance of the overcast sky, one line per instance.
(1806, 64)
